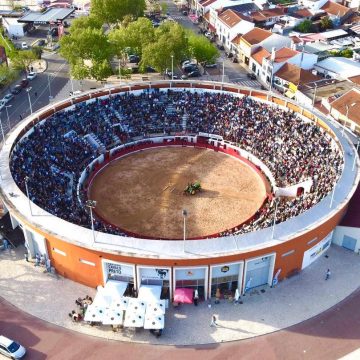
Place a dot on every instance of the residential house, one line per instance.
(338, 68)
(268, 17)
(313, 5)
(337, 13)
(346, 109)
(289, 77)
(272, 63)
(229, 25)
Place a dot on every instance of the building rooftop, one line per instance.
(260, 54)
(355, 79)
(296, 75)
(335, 9)
(349, 104)
(256, 35)
(339, 65)
(49, 16)
(231, 18)
(303, 13)
(284, 54)
(264, 15)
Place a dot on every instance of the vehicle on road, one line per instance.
(134, 59)
(11, 348)
(24, 45)
(195, 73)
(185, 13)
(7, 98)
(190, 67)
(211, 66)
(2, 104)
(251, 76)
(31, 75)
(150, 69)
(24, 83)
(41, 42)
(229, 54)
(16, 89)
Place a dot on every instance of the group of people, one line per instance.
(82, 304)
(55, 152)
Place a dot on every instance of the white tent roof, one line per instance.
(342, 66)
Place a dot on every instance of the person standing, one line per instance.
(328, 273)
(196, 297)
(213, 321)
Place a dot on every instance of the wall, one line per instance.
(341, 231)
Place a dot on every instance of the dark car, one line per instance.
(16, 90)
(229, 55)
(134, 59)
(41, 42)
(211, 66)
(195, 73)
(220, 47)
(150, 69)
(185, 13)
(24, 83)
(190, 68)
(251, 76)
(235, 60)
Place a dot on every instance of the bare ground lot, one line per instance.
(143, 192)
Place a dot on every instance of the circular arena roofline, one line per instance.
(331, 207)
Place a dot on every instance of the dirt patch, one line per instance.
(143, 192)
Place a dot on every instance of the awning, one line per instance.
(183, 295)
(149, 293)
(290, 94)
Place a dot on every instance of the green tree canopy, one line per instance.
(114, 11)
(202, 49)
(170, 40)
(85, 22)
(88, 52)
(305, 26)
(7, 74)
(326, 23)
(136, 36)
(22, 59)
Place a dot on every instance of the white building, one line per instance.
(13, 27)
(338, 68)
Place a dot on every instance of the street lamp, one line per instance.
(2, 130)
(347, 116)
(223, 72)
(273, 227)
(48, 76)
(172, 67)
(314, 98)
(184, 213)
(91, 205)
(28, 92)
(7, 113)
(27, 193)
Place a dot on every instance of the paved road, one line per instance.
(328, 336)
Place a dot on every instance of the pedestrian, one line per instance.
(328, 273)
(196, 297)
(35, 94)
(213, 321)
(6, 244)
(20, 117)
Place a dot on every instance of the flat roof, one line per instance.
(48, 17)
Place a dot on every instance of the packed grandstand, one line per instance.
(55, 152)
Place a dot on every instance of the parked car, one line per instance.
(11, 348)
(208, 34)
(150, 69)
(229, 55)
(2, 104)
(195, 73)
(220, 47)
(190, 67)
(16, 89)
(24, 45)
(24, 83)
(251, 76)
(134, 59)
(7, 98)
(185, 13)
(211, 66)
(235, 60)
(31, 75)
(184, 77)
(41, 42)
(187, 63)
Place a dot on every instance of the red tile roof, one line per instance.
(260, 54)
(256, 35)
(263, 15)
(335, 9)
(296, 75)
(236, 39)
(352, 100)
(231, 18)
(284, 54)
(303, 13)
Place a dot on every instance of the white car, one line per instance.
(11, 348)
(31, 75)
(2, 104)
(7, 98)
(24, 45)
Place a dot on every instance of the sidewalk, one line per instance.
(263, 311)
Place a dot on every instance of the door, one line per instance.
(258, 271)
(349, 243)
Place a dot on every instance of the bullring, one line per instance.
(257, 250)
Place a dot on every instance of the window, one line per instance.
(55, 250)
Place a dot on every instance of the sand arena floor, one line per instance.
(143, 192)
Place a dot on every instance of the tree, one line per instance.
(170, 40)
(164, 8)
(136, 36)
(114, 11)
(326, 23)
(88, 52)
(202, 49)
(7, 74)
(85, 22)
(21, 60)
(304, 27)
(37, 50)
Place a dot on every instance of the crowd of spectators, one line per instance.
(54, 153)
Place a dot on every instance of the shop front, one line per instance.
(113, 270)
(258, 271)
(155, 276)
(192, 278)
(227, 278)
